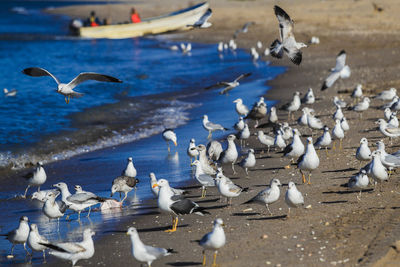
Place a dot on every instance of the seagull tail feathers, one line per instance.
(200, 211)
(276, 49)
(248, 202)
(54, 247)
(171, 251)
(324, 87)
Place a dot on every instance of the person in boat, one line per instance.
(135, 18)
(93, 21)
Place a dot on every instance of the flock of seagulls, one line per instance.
(209, 160)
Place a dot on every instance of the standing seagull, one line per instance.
(192, 150)
(155, 189)
(249, 161)
(241, 108)
(52, 208)
(124, 184)
(130, 170)
(74, 251)
(227, 188)
(340, 71)
(267, 196)
(35, 239)
(211, 127)
(144, 253)
(36, 178)
(169, 135)
(230, 155)
(287, 43)
(174, 204)
(265, 140)
(325, 140)
(228, 85)
(294, 149)
(359, 182)
(203, 20)
(67, 89)
(204, 179)
(293, 197)
(363, 152)
(294, 105)
(214, 240)
(309, 97)
(309, 161)
(19, 235)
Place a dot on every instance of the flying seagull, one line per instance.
(203, 20)
(287, 43)
(340, 71)
(244, 29)
(67, 89)
(228, 85)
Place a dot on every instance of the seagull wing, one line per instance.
(285, 23)
(84, 76)
(340, 60)
(205, 179)
(330, 80)
(289, 46)
(242, 76)
(38, 72)
(217, 85)
(204, 18)
(156, 252)
(66, 247)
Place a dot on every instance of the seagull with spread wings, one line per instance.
(228, 85)
(67, 89)
(287, 43)
(203, 20)
(340, 71)
(244, 29)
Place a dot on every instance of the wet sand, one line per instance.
(337, 229)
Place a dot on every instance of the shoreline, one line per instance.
(337, 230)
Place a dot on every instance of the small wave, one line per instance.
(20, 10)
(169, 114)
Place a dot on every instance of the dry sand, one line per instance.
(338, 230)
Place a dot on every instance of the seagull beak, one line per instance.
(154, 185)
(175, 143)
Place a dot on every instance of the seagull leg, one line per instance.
(247, 172)
(26, 191)
(44, 256)
(90, 208)
(204, 257)
(215, 259)
(27, 252)
(303, 177)
(126, 195)
(334, 145)
(169, 149)
(288, 214)
(270, 213)
(38, 188)
(174, 225)
(340, 144)
(203, 192)
(309, 178)
(209, 135)
(233, 167)
(359, 196)
(11, 253)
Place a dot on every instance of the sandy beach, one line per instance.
(336, 229)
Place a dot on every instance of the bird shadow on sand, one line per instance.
(278, 217)
(184, 263)
(242, 214)
(161, 228)
(216, 207)
(269, 169)
(334, 202)
(190, 187)
(341, 170)
(208, 200)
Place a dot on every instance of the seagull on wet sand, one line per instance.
(338, 115)
(265, 140)
(362, 106)
(386, 130)
(155, 189)
(324, 141)
(169, 135)
(357, 92)
(339, 102)
(337, 133)
(130, 170)
(36, 178)
(74, 251)
(293, 197)
(123, 184)
(175, 204)
(214, 150)
(230, 155)
(8, 93)
(363, 152)
(340, 71)
(211, 127)
(287, 43)
(241, 108)
(294, 105)
(309, 161)
(18, 235)
(192, 150)
(279, 141)
(228, 86)
(53, 209)
(204, 179)
(359, 182)
(226, 188)
(377, 170)
(387, 95)
(309, 97)
(267, 196)
(243, 135)
(41, 195)
(67, 89)
(258, 111)
(249, 161)
(35, 241)
(239, 125)
(214, 240)
(344, 124)
(295, 149)
(144, 253)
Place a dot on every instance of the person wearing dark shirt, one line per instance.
(93, 20)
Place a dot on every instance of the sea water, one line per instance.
(87, 141)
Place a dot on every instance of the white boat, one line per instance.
(175, 21)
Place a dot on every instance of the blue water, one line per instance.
(161, 88)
